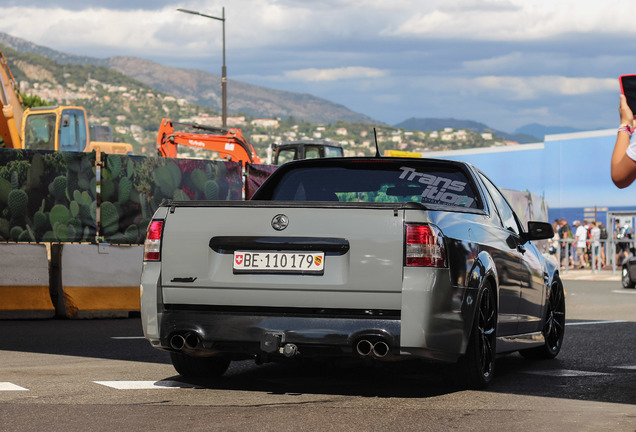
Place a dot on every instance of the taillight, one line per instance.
(152, 245)
(424, 246)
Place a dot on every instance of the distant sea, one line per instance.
(585, 213)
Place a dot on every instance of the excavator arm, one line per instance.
(11, 107)
(228, 143)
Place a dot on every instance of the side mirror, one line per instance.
(539, 231)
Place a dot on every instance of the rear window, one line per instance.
(432, 184)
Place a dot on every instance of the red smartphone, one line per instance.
(628, 88)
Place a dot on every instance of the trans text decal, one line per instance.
(438, 189)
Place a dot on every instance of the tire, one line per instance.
(199, 367)
(554, 326)
(626, 279)
(476, 368)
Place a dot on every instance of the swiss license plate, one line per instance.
(278, 262)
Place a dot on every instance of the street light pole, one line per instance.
(223, 68)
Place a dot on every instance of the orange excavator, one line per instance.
(228, 143)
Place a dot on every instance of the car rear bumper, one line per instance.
(233, 332)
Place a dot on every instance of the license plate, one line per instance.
(278, 262)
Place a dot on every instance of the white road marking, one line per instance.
(625, 367)
(624, 292)
(565, 373)
(595, 322)
(144, 385)
(7, 386)
(127, 337)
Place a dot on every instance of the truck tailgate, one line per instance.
(368, 275)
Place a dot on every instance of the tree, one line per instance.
(32, 101)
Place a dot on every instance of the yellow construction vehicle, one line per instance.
(62, 128)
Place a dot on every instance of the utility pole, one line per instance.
(223, 68)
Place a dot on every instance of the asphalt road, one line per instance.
(101, 375)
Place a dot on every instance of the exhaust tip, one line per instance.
(380, 349)
(364, 347)
(177, 342)
(191, 340)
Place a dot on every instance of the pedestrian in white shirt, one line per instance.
(581, 244)
(595, 235)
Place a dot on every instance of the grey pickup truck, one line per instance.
(371, 258)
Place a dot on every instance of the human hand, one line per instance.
(627, 116)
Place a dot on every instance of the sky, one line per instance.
(505, 63)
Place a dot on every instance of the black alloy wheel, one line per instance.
(626, 279)
(554, 327)
(477, 366)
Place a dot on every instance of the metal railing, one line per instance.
(599, 255)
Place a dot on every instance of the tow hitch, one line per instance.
(275, 342)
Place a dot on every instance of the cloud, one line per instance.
(107, 31)
(334, 74)
(524, 88)
(494, 63)
(516, 20)
(491, 59)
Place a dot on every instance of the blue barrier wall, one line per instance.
(571, 171)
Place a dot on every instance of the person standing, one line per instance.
(595, 237)
(604, 238)
(565, 233)
(581, 244)
(622, 248)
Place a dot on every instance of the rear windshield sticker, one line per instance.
(439, 189)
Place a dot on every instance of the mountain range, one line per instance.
(202, 88)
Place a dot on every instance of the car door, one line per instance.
(507, 252)
(532, 290)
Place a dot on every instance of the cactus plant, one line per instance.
(83, 209)
(15, 233)
(125, 187)
(36, 170)
(75, 223)
(130, 168)
(180, 195)
(15, 180)
(175, 172)
(5, 188)
(109, 218)
(131, 234)
(165, 181)
(65, 233)
(74, 208)
(93, 187)
(211, 190)
(49, 237)
(17, 203)
(108, 190)
(113, 162)
(86, 237)
(27, 235)
(59, 189)
(72, 184)
(59, 215)
(40, 222)
(198, 179)
(84, 182)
